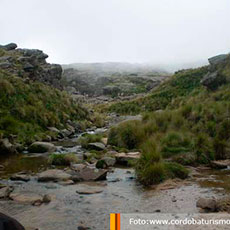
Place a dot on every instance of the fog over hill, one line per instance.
(111, 78)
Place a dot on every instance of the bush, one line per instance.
(150, 174)
(128, 135)
(63, 159)
(90, 138)
(174, 143)
(203, 149)
(220, 149)
(34, 104)
(175, 170)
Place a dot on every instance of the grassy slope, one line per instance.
(27, 108)
(192, 127)
(175, 90)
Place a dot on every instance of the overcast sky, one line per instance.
(154, 31)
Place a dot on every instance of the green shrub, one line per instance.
(34, 106)
(151, 173)
(174, 143)
(185, 159)
(63, 159)
(203, 149)
(175, 170)
(220, 149)
(89, 138)
(128, 135)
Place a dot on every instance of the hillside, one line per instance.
(178, 88)
(111, 79)
(186, 120)
(30, 99)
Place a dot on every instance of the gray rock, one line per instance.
(68, 182)
(209, 205)
(88, 190)
(10, 223)
(66, 133)
(10, 46)
(28, 67)
(26, 197)
(20, 177)
(220, 164)
(53, 175)
(78, 167)
(89, 174)
(6, 65)
(41, 147)
(96, 146)
(105, 162)
(54, 130)
(6, 58)
(5, 192)
(109, 161)
(6, 147)
(213, 80)
(218, 59)
(46, 199)
(124, 158)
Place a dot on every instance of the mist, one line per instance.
(166, 33)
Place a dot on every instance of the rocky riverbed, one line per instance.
(80, 196)
(62, 204)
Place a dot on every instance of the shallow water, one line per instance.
(121, 193)
(69, 209)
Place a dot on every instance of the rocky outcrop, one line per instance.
(110, 79)
(218, 59)
(213, 80)
(216, 75)
(30, 64)
(41, 147)
(8, 47)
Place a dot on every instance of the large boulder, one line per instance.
(20, 177)
(96, 146)
(213, 80)
(125, 158)
(218, 59)
(6, 147)
(26, 197)
(209, 205)
(88, 190)
(53, 175)
(41, 147)
(9, 223)
(8, 47)
(89, 174)
(106, 162)
(220, 164)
